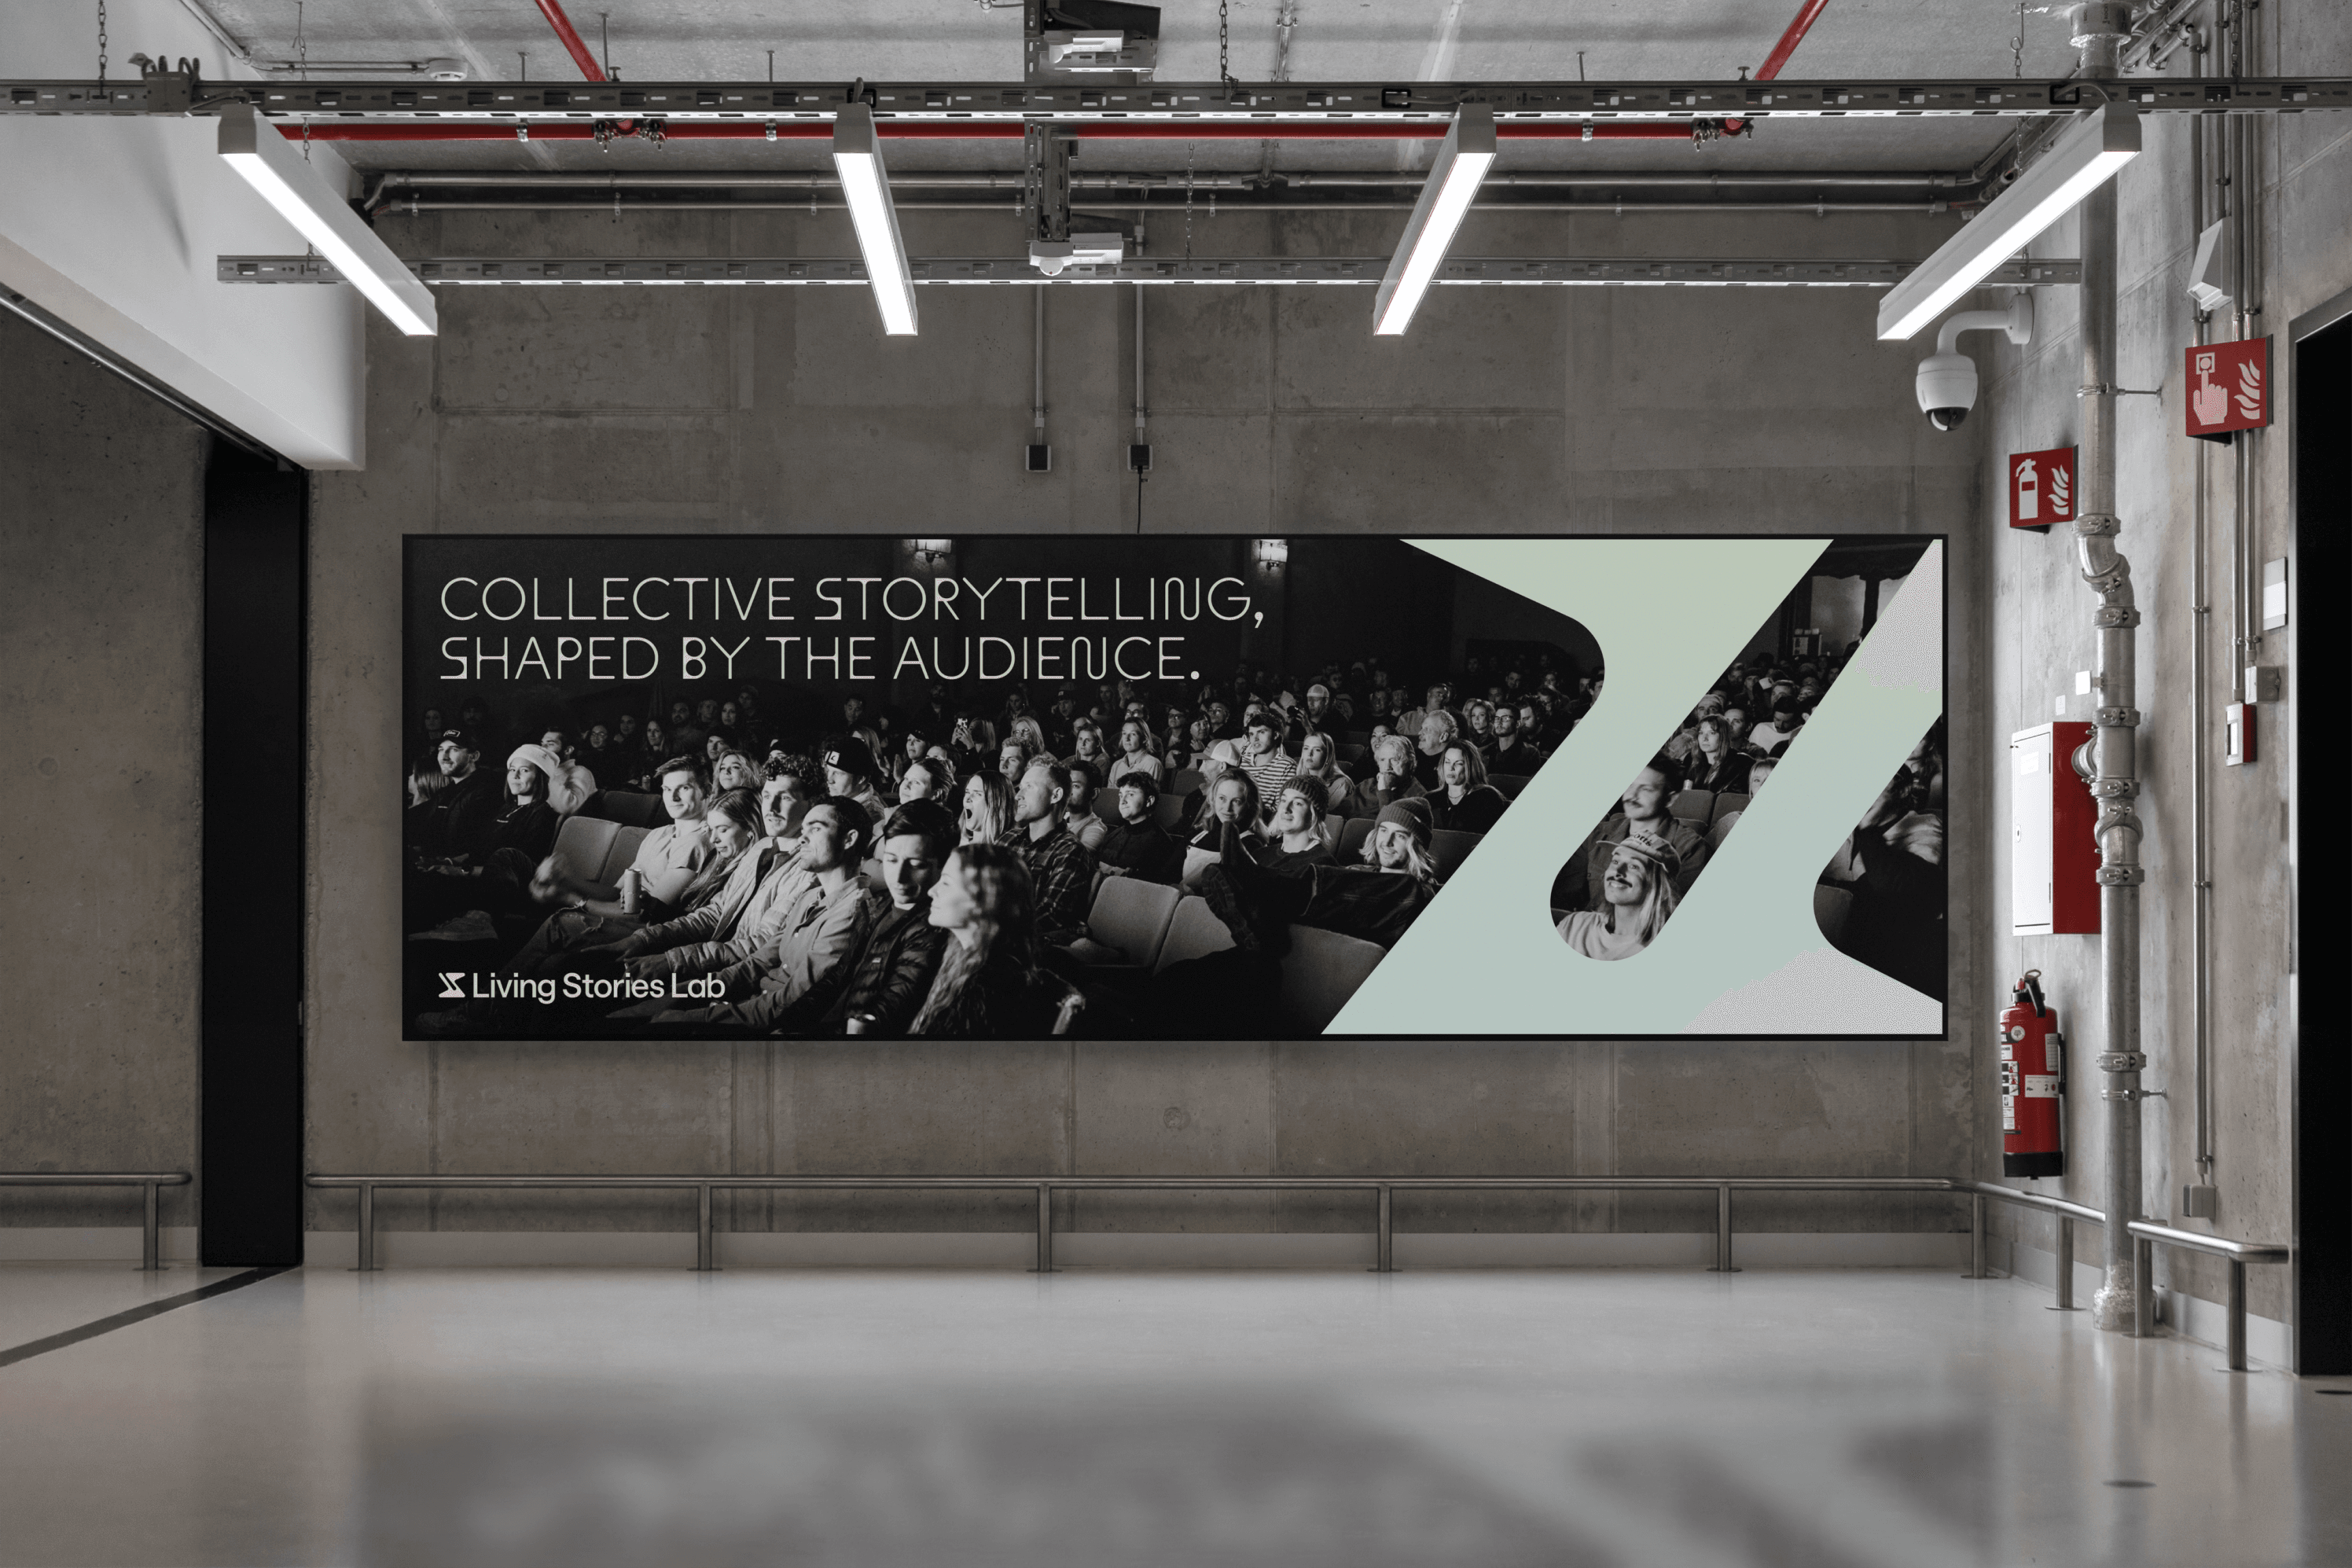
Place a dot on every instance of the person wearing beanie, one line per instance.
(1295, 833)
(1376, 900)
(849, 772)
(447, 900)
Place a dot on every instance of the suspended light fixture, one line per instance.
(866, 186)
(285, 179)
(2080, 160)
(1270, 555)
(1463, 160)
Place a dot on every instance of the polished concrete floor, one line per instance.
(584, 1417)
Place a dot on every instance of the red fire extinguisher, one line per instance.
(2032, 1073)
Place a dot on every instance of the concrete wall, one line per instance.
(726, 410)
(101, 575)
(2041, 633)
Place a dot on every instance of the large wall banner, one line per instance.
(1173, 787)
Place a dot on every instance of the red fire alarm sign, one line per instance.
(2041, 488)
(2228, 389)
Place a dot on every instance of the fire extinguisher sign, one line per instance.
(2228, 389)
(2041, 488)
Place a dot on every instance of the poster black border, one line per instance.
(408, 705)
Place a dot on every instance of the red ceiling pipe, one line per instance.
(1807, 14)
(996, 130)
(571, 40)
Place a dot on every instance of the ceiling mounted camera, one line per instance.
(1948, 378)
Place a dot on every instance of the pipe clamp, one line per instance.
(2121, 875)
(2122, 1061)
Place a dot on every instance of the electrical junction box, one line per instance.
(2054, 865)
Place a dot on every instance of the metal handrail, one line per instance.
(2143, 1325)
(2237, 1254)
(150, 1240)
(1381, 1189)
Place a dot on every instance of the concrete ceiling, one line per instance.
(1386, 40)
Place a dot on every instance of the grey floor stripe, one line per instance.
(138, 1314)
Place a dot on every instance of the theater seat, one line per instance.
(624, 850)
(1352, 837)
(1194, 932)
(1131, 916)
(583, 843)
(1167, 811)
(1351, 751)
(1695, 806)
(1184, 783)
(871, 871)
(1450, 847)
(1722, 830)
(632, 808)
(1730, 805)
(1832, 907)
(1509, 783)
(1321, 972)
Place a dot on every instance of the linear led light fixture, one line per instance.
(1463, 160)
(2079, 163)
(865, 187)
(253, 147)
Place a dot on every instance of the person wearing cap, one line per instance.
(495, 880)
(1137, 845)
(454, 823)
(1645, 811)
(849, 772)
(1267, 765)
(1638, 898)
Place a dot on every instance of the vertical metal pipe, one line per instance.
(1723, 1231)
(1138, 290)
(2201, 612)
(367, 1228)
(702, 1250)
(1037, 361)
(1386, 1250)
(2066, 1302)
(2100, 29)
(151, 1238)
(2144, 1276)
(1044, 1228)
(1976, 1236)
(2237, 1330)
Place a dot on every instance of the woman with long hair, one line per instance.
(1318, 758)
(916, 744)
(732, 770)
(986, 983)
(987, 810)
(1638, 890)
(1464, 801)
(1135, 755)
(1712, 764)
(1086, 746)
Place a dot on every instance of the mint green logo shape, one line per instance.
(1743, 953)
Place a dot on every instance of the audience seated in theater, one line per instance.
(569, 784)
(1318, 759)
(1081, 781)
(849, 772)
(1231, 802)
(1464, 801)
(1645, 812)
(1376, 900)
(987, 816)
(1713, 764)
(895, 950)
(812, 933)
(1135, 755)
(668, 861)
(928, 778)
(1898, 924)
(1138, 845)
(454, 823)
(1295, 831)
(1061, 869)
(1514, 751)
(732, 770)
(1393, 761)
(1221, 758)
(1267, 765)
(740, 920)
(1637, 898)
(496, 880)
(988, 985)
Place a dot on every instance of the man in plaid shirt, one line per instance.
(1062, 869)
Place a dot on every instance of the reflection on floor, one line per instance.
(584, 1417)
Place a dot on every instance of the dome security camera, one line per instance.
(1947, 383)
(441, 68)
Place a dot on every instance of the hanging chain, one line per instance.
(2016, 44)
(101, 48)
(301, 45)
(1188, 200)
(1225, 73)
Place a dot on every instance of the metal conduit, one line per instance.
(1598, 208)
(1013, 179)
